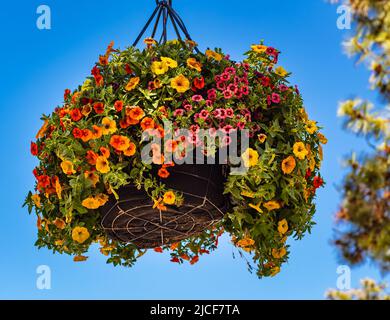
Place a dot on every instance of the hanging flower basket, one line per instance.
(103, 177)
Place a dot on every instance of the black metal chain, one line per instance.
(165, 11)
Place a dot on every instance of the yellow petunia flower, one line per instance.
(311, 127)
(259, 48)
(194, 64)
(67, 167)
(275, 271)
(80, 234)
(169, 62)
(80, 258)
(279, 253)
(58, 189)
(102, 164)
(247, 194)
(102, 199)
(280, 71)
(250, 157)
(169, 198)
(59, 242)
(132, 84)
(214, 55)
(288, 165)
(282, 226)
(272, 205)
(180, 83)
(37, 200)
(109, 126)
(262, 137)
(91, 203)
(159, 67)
(322, 138)
(300, 150)
(246, 242)
(256, 207)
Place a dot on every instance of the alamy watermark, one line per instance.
(43, 281)
(44, 18)
(345, 17)
(344, 278)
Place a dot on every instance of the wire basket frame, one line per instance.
(132, 219)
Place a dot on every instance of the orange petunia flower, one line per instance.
(42, 130)
(158, 204)
(91, 157)
(97, 132)
(103, 60)
(120, 143)
(171, 146)
(123, 123)
(102, 165)
(163, 173)
(150, 42)
(288, 165)
(132, 84)
(147, 123)
(105, 152)
(86, 135)
(158, 158)
(135, 113)
(92, 176)
(130, 151)
(59, 223)
(159, 132)
(194, 64)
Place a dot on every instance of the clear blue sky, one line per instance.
(36, 66)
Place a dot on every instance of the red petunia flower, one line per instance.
(317, 182)
(128, 69)
(77, 133)
(98, 107)
(34, 149)
(159, 250)
(194, 260)
(43, 181)
(175, 259)
(76, 114)
(118, 105)
(198, 84)
(67, 94)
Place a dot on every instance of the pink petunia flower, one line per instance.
(221, 85)
(197, 98)
(228, 94)
(225, 76)
(178, 112)
(241, 125)
(226, 140)
(229, 113)
(230, 70)
(275, 98)
(188, 107)
(204, 114)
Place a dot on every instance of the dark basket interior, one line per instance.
(133, 219)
